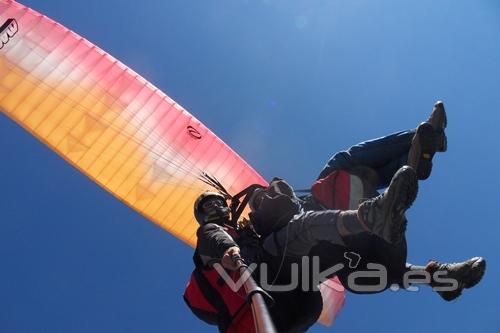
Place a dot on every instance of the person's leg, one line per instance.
(306, 230)
(393, 257)
(385, 155)
(361, 251)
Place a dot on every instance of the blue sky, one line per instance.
(285, 83)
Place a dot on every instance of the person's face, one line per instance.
(212, 204)
(215, 208)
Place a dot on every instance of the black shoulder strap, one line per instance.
(238, 207)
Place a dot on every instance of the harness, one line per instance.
(212, 301)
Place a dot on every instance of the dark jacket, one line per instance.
(214, 240)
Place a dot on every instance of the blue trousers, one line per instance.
(385, 155)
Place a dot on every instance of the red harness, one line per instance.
(213, 301)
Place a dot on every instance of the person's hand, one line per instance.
(227, 261)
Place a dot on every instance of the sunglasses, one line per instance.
(212, 204)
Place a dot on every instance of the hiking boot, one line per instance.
(467, 274)
(438, 121)
(422, 150)
(384, 215)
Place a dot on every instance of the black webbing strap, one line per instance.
(238, 207)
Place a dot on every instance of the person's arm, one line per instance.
(215, 245)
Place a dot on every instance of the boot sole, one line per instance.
(439, 107)
(426, 135)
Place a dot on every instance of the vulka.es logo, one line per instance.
(307, 275)
(7, 31)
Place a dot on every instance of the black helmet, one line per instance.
(211, 207)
